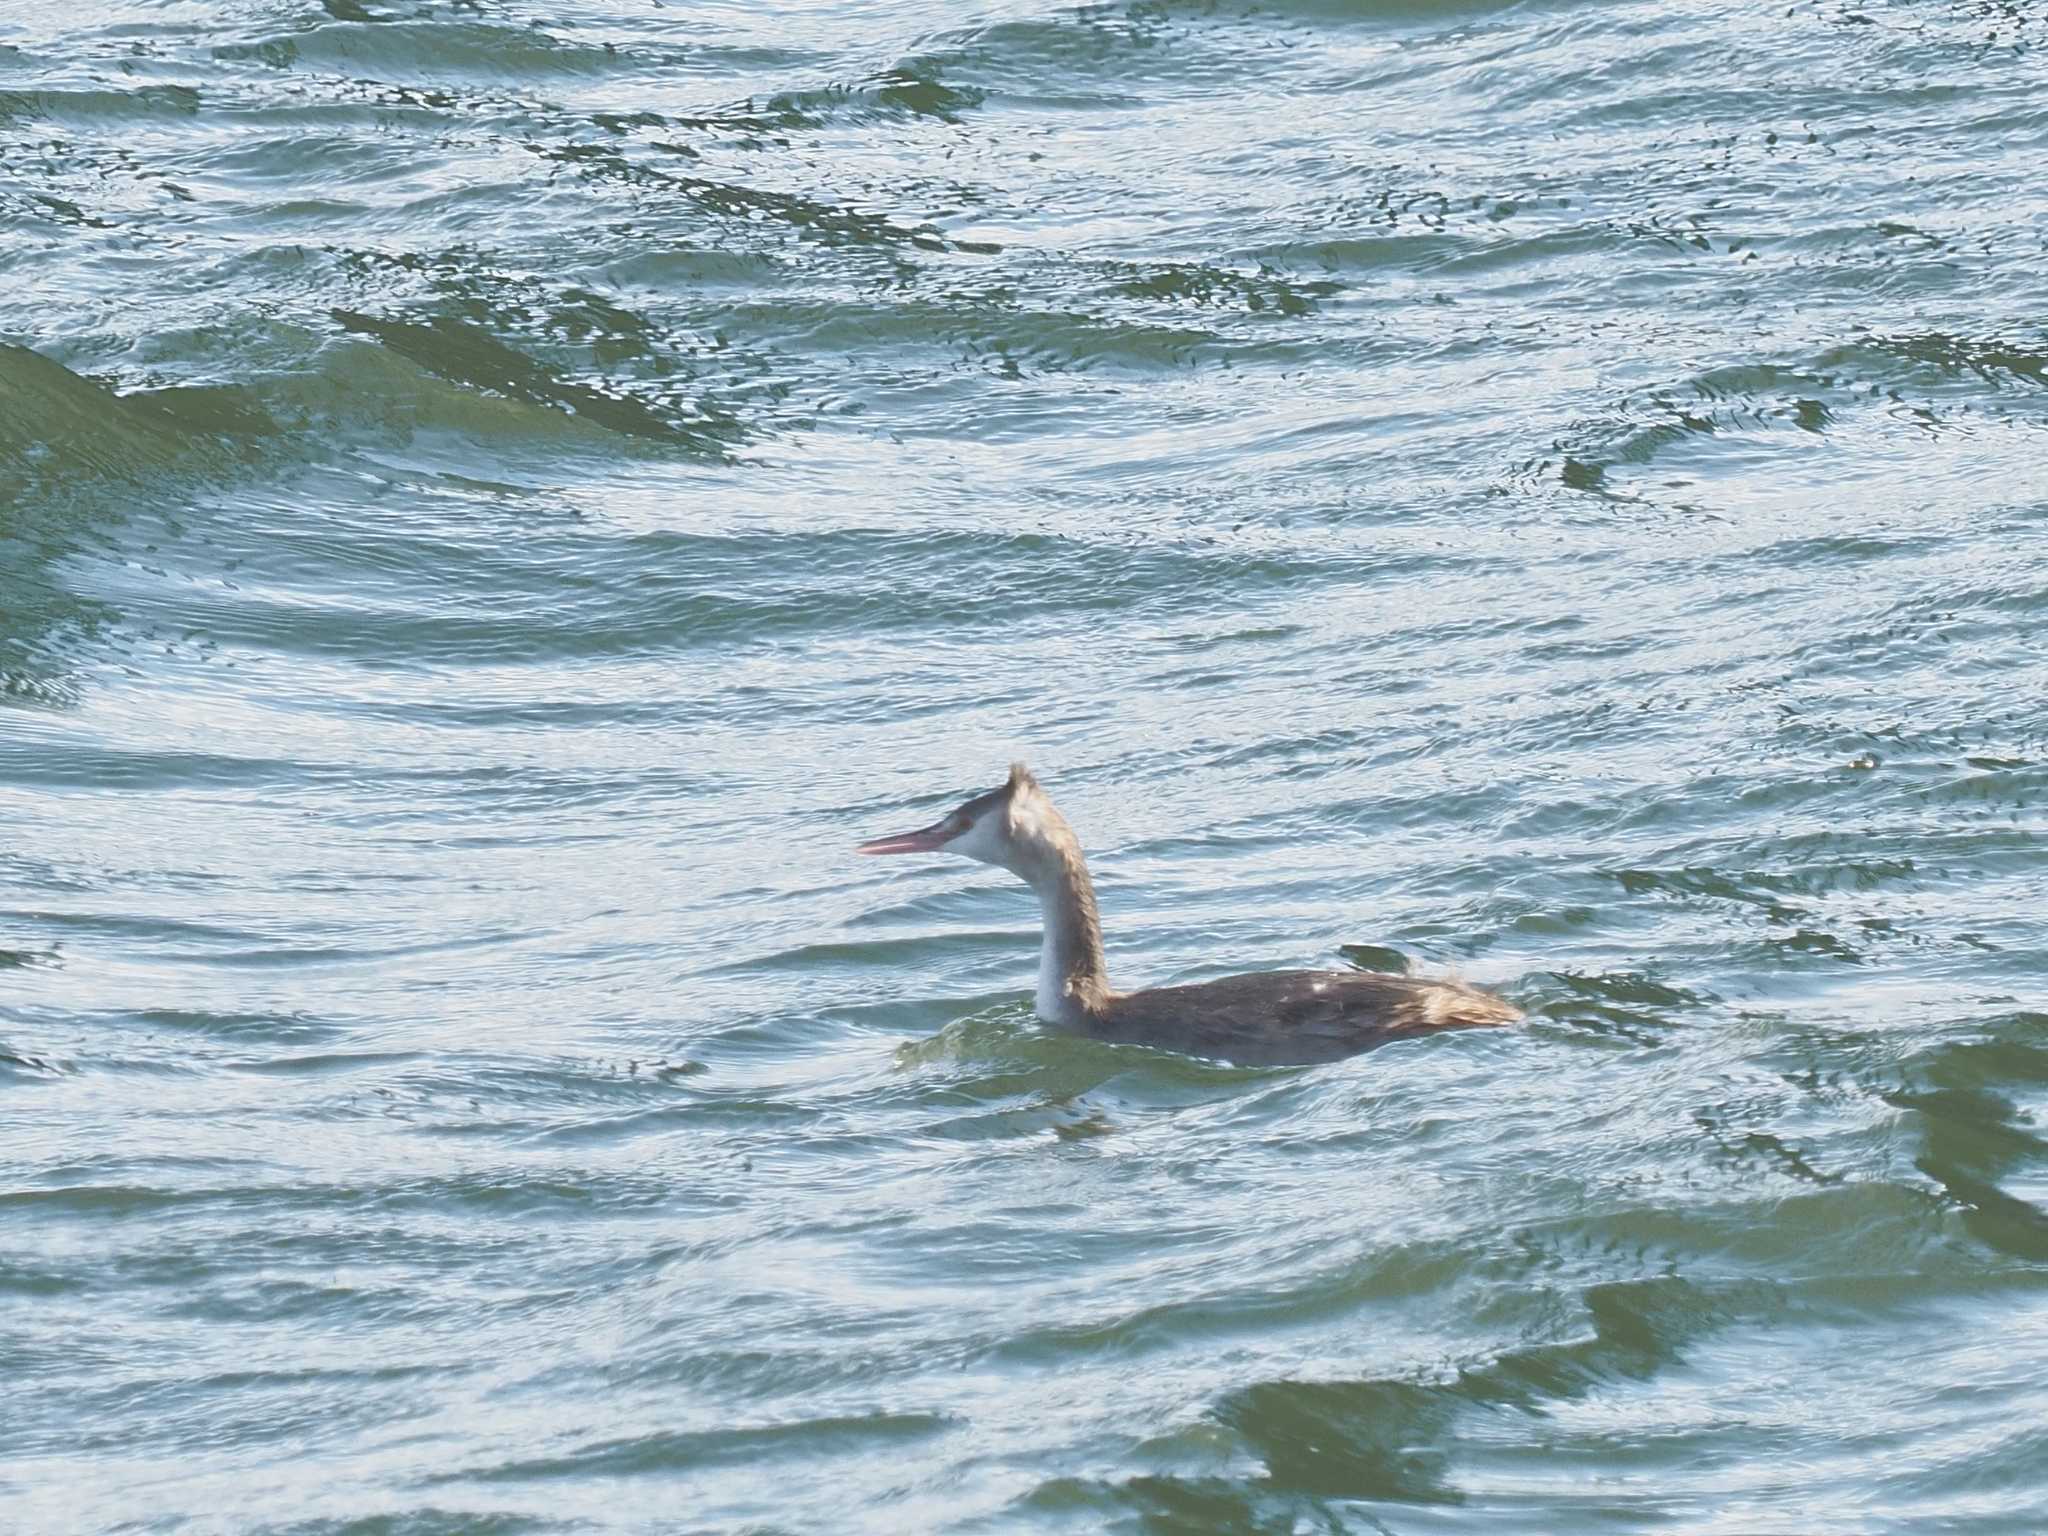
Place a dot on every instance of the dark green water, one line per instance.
(495, 499)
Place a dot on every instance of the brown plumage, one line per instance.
(1275, 1017)
(1266, 1018)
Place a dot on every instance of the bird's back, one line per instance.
(1274, 1018)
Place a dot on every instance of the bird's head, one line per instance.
(1013, 826)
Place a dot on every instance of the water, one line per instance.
(495, 499)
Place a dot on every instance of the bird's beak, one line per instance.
(929, 840)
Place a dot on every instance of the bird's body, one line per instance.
(1272, 1018)
(1265, 1018)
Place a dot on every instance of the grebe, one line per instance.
(1269, 1018)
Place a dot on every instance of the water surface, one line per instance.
(495, 500)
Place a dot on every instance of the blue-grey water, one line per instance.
(495, 500)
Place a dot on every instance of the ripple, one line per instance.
(672, 1452)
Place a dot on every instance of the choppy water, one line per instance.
(496, 498)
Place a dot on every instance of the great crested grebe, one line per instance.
(1268, 1018)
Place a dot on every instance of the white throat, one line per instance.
(1071, 948)
(1051, 1003)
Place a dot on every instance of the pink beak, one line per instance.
(929, 840)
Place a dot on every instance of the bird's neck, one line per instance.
(1073, 981)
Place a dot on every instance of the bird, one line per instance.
(1265, 1018)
